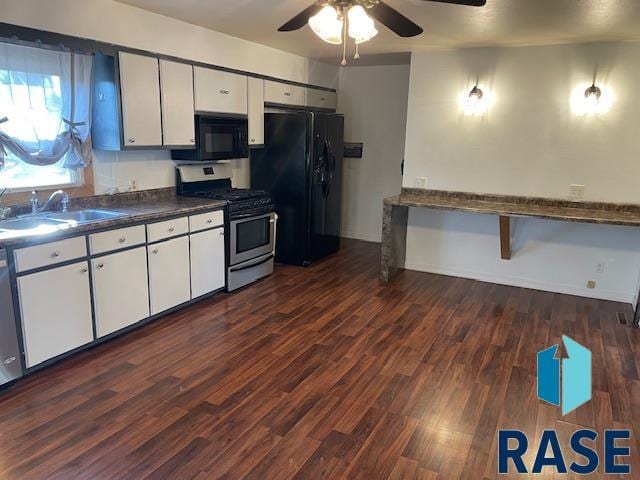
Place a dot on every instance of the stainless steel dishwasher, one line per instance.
(10, 365)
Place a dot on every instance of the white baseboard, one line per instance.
(613, 295)
(361, 236)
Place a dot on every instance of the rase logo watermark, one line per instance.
(565, 383)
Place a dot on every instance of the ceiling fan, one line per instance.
(333, 20)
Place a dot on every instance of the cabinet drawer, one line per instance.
(170, 228)
(50, 254)
(284, 94)
(116, 239)
(220, 92)
(205, 221)
(322, 99)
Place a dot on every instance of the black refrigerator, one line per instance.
(301, 167)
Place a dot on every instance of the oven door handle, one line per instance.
(249, 215)
(246, 267)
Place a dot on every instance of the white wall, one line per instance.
(113, 22)
(374, 101)
(529, 143)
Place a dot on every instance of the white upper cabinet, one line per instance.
(284, 94)
(220, 92)
(178, 124)
(256, 111)
(322, 99)
(140, 92)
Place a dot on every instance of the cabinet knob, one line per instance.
(253, 140)
(84, 270)
(100, 266)
(172, 229)
(155, 251)
(132, 140)
(55, 254)
(192, 140)
(122, 239)
(224, 92)
(287, 94)
(209, 221)
(222, 233)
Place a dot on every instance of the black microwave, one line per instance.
(217, 138)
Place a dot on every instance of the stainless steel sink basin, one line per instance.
(48, 222)
(85, 216)
(31, 223)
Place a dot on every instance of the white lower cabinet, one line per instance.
(169, 276)
(55, 306)
(120, 290)
(207, 262)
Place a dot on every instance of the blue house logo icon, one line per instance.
(569, 386)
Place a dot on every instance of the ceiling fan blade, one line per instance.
(470, 3)
(301, 19)
(394, 20)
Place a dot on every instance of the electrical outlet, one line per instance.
(601, 267)
(576, 191)
(421, 182)
(591, 284)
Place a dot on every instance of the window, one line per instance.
(38, 100)
(38, 90)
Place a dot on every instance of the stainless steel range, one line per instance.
(250, 221)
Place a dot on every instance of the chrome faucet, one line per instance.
(64, 201)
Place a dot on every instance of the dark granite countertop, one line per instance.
(553, 209)
(150, 206)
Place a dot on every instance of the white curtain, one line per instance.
(45, 105)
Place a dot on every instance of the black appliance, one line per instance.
(301, 167)
(217, 138)
(250, 221)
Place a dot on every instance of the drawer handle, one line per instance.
(155, 251)
(132, 140)
(172, 229)
(100, 266)
(9, 360)
(55, 254)
(287, 94)
(122, 239)
(209, 221)
(222, 233)
(224, 92)
(84, 270)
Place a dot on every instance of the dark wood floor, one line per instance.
(320, 373)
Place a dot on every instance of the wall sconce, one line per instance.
(592, 100)
(476, 102)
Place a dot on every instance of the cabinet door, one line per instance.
(284, 94)
(56, 311)
(178, 123)
(321, 99)
(140, 92)
(207, 262)
(169, 278)
(120, 290)
(220, 92)
(256, 111)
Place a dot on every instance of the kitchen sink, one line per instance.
(30, 223)
(84, 216)
(47, 222)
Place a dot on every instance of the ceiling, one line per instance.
(499, 23)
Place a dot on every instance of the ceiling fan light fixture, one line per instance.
(361, 26)
(327, 24)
